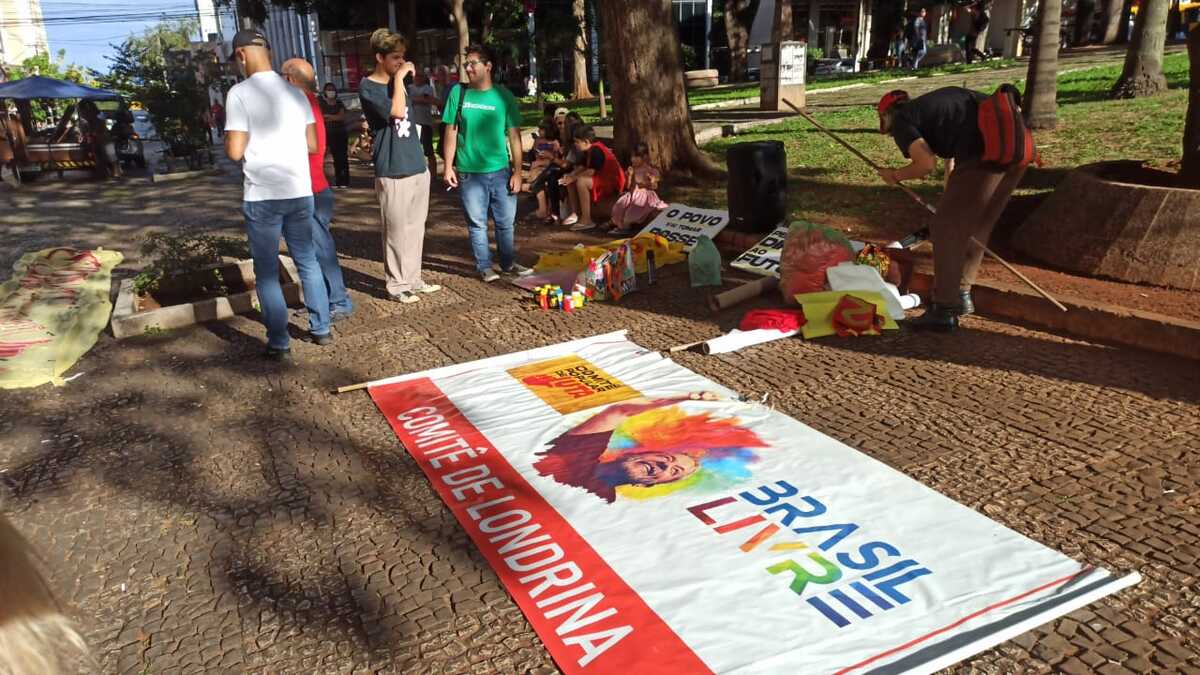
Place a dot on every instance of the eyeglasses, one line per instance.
(475, 63)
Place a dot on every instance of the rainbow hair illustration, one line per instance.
(721, 446)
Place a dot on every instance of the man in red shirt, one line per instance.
(299, 74)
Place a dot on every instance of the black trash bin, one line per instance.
(757, 189)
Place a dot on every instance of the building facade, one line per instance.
(22, 31)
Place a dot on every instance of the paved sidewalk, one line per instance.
(204, 511)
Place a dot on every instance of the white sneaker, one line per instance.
(518, 271)
(406, 297)
(489, 276)
(429, 288)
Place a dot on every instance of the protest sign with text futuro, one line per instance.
(763, 257)
(684, 224)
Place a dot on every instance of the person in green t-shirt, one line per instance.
(483, 158)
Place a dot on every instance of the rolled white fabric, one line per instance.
(738, 339)
(849, 276)
(910, 301)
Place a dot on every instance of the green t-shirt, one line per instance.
(483, 133)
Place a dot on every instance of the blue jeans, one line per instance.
(483, 195)
(918, 53)
(293, 218)
(339, 300)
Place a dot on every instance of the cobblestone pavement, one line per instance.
(203, 511)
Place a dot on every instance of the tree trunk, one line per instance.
(737, 33)
(485, 31)
(1041, 92)
(1111, 21)
(1143, 74)
(580, 52)
(781, 29)
(459, 16)
(406, 20)
(1190, 174)
(645, 72)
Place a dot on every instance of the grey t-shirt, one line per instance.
(397, 152)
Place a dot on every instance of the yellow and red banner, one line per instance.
(673, 528)
(51, 313)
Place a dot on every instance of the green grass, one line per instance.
(590, 109)
(827, 184)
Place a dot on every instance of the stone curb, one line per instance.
(183, 175)
(1084, 319)
(127, 322)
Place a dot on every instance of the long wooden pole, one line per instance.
(927, 205)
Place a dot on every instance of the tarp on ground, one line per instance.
(51, 313)
(37, 87)
(647, 521)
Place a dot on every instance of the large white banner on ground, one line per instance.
(684, 224)
(763, 257)
(646, 520)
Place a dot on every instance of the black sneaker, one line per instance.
(967, 306)
(940, 318)
(323, 339)
(278, 355)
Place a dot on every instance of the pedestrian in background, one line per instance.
(401, 175)
(270, 128)
(483, 157)
(333, 113)
(299, 73)
(421, 99)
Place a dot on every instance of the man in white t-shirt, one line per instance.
(422, 98)
(270, 127)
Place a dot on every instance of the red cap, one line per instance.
(890, 99)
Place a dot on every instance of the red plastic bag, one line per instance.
(810, 250)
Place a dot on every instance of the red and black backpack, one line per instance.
(1006, 139)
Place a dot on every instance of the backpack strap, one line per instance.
(458, 116)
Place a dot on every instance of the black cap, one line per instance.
(250, 38)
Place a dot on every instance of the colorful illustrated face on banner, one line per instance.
(645, 449)
(570, 384)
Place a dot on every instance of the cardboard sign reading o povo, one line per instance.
(684, 224)
(763, 258)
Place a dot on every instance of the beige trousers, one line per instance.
(975, 197)
(403, 208)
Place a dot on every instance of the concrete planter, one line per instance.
(702, 78)
(1118, 220)
(127, 321)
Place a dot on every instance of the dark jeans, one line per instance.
(548, 182)
(339, 148)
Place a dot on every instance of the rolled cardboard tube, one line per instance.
(742, 293)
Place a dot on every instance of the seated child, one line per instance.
(596, 181)
(641, 202)
(545, 151)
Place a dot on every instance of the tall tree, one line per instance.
(739, 14)
(1110, 21)
(458, 14)
(580, 52)
(781, 27)
(1190, 174)
(1143, 73)
(1041, 90)
(650, 100)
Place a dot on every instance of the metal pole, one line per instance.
(707, 34)
(533, 67)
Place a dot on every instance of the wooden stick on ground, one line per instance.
(353, 387)
(685, 347)
(927, 206)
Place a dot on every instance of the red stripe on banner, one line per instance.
(590, 620)
(956, 624)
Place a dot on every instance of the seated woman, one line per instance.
(595, 183)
